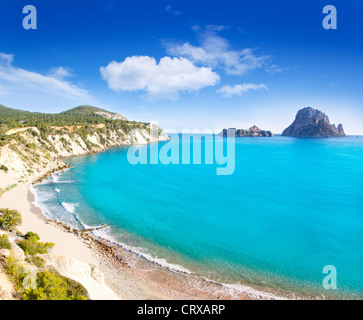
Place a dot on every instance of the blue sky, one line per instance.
(186, 64)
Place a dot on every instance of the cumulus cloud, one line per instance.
(163, 80)
(239, 89)
(215, 51)
(15, 80)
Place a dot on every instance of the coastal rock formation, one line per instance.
(311, 122)
(251, 132)
(87, 275)
(33, 149)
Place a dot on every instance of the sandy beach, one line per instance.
(126, 275)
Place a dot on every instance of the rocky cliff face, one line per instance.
(311, 122)
(251, 132)
(32, 152)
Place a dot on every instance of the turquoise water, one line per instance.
(291, 207)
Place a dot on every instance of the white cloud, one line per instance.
(274, 68)
(163, 80)
(239, 89)
(61, 72)
(17, 81)
(174, 12)
(215, 51)
(6, 58)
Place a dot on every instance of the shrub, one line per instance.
(75, 290)
(37, 261)
(51, 286)
(31, 234)
(9, 219)
(15, 272)
(4, 168)
(4, 242)
(32, 246)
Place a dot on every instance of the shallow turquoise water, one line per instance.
(291, 207)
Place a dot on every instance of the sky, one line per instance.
(186, 65)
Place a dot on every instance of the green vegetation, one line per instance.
(51, 286)
(31, 234)
(9, 219)
(15, 271)
(48, 284)
(41, 283)
(4, 168)
(4, 242)
(83, 115)
(2, 191)
(36, 261)
(48, 123)
(11, 187)
(32, 246)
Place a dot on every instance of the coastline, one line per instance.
(127, 275)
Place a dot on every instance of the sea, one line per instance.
(289, 217)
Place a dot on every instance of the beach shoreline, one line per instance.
(128, 275)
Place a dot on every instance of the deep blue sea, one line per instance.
(291, 207)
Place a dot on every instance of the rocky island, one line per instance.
(312, 123)
(251, 132)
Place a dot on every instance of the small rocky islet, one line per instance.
(308, 123)
(254, 131)
(313, 123)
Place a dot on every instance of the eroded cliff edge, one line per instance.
(41, 147)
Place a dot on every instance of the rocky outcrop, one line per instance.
(87, 275)
(33, 153)
(251, 132)
(313, 123)
(111, 116)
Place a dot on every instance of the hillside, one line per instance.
(79, 116)
(92, 111)
(32, 142)
(82, 115)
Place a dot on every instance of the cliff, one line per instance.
(311, 122)
(251, 132)
(30, 149)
